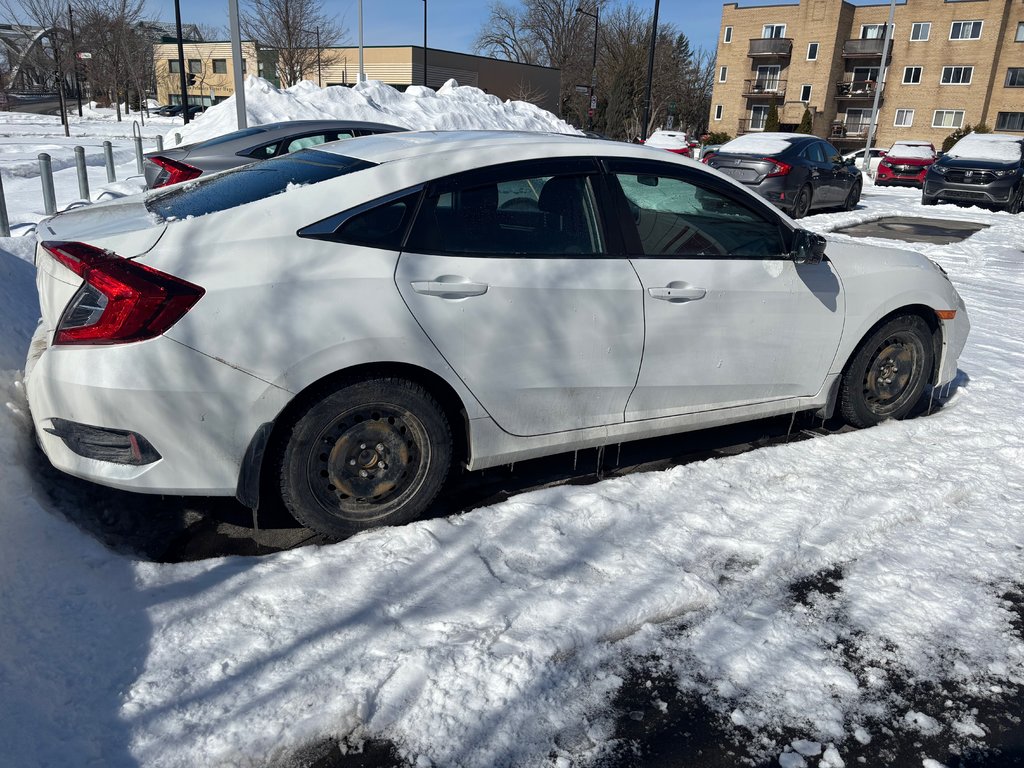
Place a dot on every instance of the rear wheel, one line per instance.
(803, 202)
(888, 374)
(1017, 203)
(369, 453)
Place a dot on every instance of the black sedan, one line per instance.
(259, 142)
(793, 171)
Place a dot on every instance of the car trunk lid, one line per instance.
(748, 169)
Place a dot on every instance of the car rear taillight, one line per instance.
(120, 300)
(176, 171)
(781, 168)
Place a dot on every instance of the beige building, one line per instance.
(212, 75)
(951, 63)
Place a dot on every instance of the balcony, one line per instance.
(776, 47)
(764, 87)
(857, 89)
(863, 49)
(850, 130)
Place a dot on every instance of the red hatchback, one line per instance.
(906, 163)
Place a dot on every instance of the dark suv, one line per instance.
(982, 168)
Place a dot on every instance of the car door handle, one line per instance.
(676, 294)
(449, 287)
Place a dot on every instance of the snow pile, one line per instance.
(795, 590)
(760, 143)
(453, 107)
(993, 147)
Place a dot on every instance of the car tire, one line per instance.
(853, 197)
(925, 200)
(803, 202)
(1017, 204)
(368, 453)
(888, 374)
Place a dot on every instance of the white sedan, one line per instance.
(342, 325)
(875, 156)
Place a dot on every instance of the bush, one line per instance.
(715, 137)
(806, 123)
(955, 136)
(771, 123)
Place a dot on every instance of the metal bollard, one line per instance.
(46, 176)
(5, 224)
(108, 157)
(159, 143)
(138, 147)
(83, 175)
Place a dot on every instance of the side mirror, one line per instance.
(850, 161)
(808, 248)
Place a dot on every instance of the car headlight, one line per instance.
(939, 169)
(1000, 173)
(885, 164)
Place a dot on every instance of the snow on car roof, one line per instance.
(994, 147)
(761, 143)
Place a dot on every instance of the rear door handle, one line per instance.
(449, 287)
(677, 295)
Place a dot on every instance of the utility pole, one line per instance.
(236, 64)
(362, 73)
(424, 42)
(650, 73)
(596, 16)
(74, 63)
(882, 72)
(319, 70)
(183, 81)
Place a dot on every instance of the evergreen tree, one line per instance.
(771, 123)
(806, 123)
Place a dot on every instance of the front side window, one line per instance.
(911, 75)
(920, 31)
(1015, 77)
(773, 30)
(965, 30)
(531, 216)
(1010, 121)
(220, 66)
(948, 118)
(812, 51)
(727, 36)
(675, 217)
(957, 75)
(904, 118)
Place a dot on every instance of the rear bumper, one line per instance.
(198, 414)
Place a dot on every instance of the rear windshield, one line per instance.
(228, 137)
(251, 182)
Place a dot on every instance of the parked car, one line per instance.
(344, 324)
(793, 171)
(981, 168)
(709, 151)
(194, 110)
(260, 142)
(906, 163)
(169, 110)
(673, 141)
(875, 155)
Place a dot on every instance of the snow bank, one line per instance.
(994, 147)
(452, 107)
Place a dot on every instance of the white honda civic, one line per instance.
(343, 325)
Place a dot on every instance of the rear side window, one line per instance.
(251, 182)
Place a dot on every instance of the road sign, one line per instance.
(83, 55)
(593, 103)
(582, 89)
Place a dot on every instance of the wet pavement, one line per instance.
(911, 229)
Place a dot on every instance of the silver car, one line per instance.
(343, 325)
(260, 142)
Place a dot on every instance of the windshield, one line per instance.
(243, 185)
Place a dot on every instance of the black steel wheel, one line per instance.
(888, 373)
(803, 202)
(371, 453)
(853, 197)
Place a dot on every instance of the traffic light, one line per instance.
(191, 78)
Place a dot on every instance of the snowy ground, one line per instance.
(798, 590)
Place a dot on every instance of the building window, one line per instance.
(773, 30)
(727, 36)
(758, 117)
(718, 111)
(220, 66)
(911, 75)
(805, 92)
(722, 74)
(173, 66)
(920, 31)
(1015, 77)
(948, 118)
(957, 75)
(1010, 121)
(904, 118)
(965, 30)
(812, 51)
(872, 31)
(195, 66)
(1020, 32)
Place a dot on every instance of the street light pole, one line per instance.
(650, 73)
(183, 82)
(424, 42)
(879, 84)
(596, 16)
(319, 70)
(74, 61)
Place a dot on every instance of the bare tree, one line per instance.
(109, 30)
(293, 27)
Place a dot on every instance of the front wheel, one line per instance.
(803, 202)
(1017, 203)
(853, 197)
(925, 200)
(372, 452)
(888, 374)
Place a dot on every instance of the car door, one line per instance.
(510, 273)
(841, 177)
(821, 174)
(731, 319)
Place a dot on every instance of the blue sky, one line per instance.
(451, 24)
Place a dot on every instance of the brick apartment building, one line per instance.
(951, 63)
